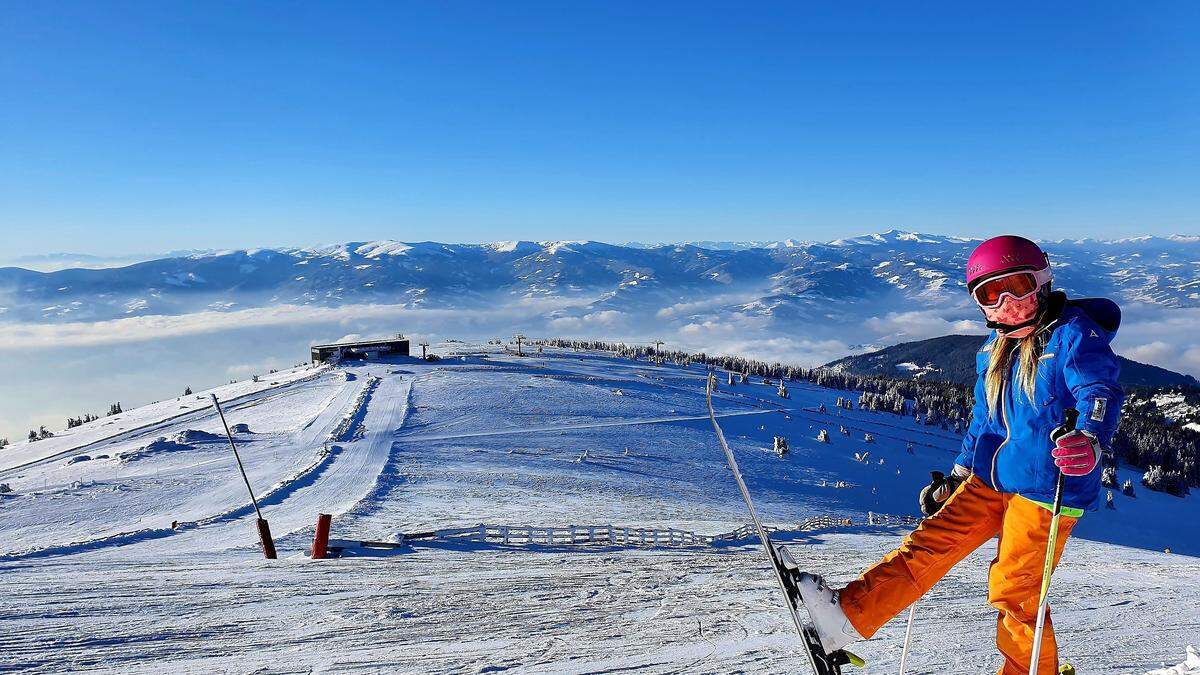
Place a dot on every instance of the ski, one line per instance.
(786, 569)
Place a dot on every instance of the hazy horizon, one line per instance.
(50, 261)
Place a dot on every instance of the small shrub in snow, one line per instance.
(1108, 477)
(1127, 488)
(73, 422)
(3, 442)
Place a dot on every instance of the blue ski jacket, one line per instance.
(1077, 369)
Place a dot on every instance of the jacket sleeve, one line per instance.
(1090, 372)
(966, 455)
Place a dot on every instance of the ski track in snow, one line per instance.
(569, 438)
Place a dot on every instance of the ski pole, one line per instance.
(1070, 417)
(912, 614)
(264, 530)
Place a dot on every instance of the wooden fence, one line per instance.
(598, 535)
(891, 519)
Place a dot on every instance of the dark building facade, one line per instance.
(365, 349)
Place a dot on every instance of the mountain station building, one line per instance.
(360, 351)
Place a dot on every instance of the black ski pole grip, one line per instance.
(1070, 419)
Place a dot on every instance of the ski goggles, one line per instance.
(1018, 285)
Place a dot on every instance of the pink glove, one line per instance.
(1076, 453)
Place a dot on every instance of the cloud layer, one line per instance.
(56, 370)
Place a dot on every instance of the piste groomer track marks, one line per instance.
(785, 567)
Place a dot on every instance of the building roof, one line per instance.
(361, 343)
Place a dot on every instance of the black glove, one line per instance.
(938, 491)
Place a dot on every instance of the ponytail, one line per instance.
(1000, 358)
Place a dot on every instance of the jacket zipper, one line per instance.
(1004, 415)
(1007, 434)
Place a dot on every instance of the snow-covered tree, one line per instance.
(781, 446)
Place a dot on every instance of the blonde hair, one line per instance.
(1027, 351)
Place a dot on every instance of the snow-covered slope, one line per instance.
(146, 547)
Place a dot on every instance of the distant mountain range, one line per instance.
(951, 358)
(789, 282)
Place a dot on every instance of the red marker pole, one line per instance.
(321, 539)
(264, 530)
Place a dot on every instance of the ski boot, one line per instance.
(830, 622)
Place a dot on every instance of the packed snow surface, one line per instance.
(129, 544)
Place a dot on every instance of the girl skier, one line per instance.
(1046, 354)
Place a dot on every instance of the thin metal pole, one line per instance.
(1044, 596)
(229, 435)
(912, 614)
(1071, 415)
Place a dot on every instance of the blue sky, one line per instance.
(146, 126)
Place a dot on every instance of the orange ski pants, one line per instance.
(972, 515)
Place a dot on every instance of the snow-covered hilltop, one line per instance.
(134, 530)
(785, 280)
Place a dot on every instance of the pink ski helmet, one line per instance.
(1008, 277)
(1002, 254)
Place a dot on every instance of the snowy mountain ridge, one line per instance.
(786, 281)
